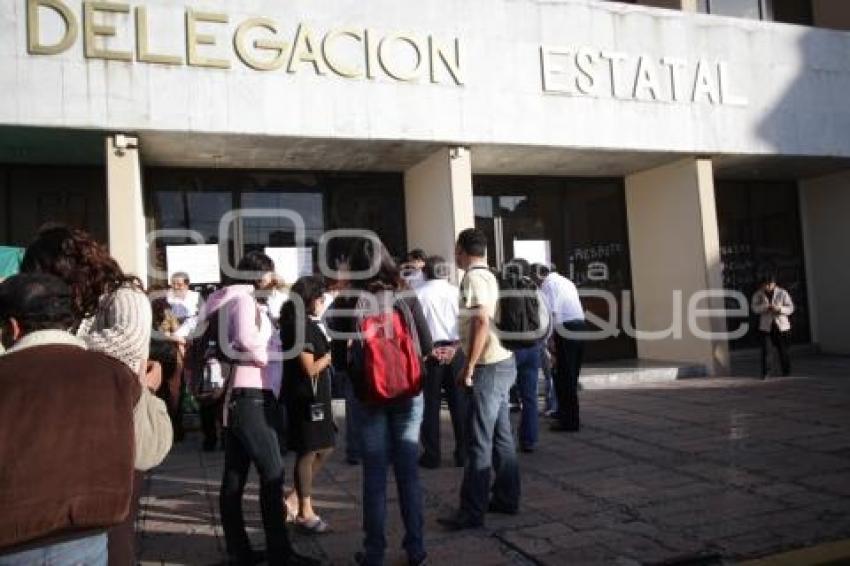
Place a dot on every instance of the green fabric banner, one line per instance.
(10, 260)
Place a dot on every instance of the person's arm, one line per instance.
(426, 342)
(479, 333)
(760, 305)
(786, 306)
(312, 365)
(128, 339)
(246, 333)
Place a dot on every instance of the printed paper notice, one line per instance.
(291, 263)
(200, 262)
(533, 251)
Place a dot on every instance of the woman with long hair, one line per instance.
(113, 316)
(113, 313)
(389, 432)
(307, 394)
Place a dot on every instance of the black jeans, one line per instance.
(781, 341)
(210, 412)
(254, 435)
(569, 353)
(438, 379)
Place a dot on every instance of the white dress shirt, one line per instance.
(440, 302)
(562, 298)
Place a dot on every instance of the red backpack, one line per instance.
(387, 353)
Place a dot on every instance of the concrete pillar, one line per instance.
(675, 248)
(438, 201)
(125, 206)
(824, 209)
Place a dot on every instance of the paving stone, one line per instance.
(687, 468)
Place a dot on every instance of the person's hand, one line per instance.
(153, 375)
(464, 378)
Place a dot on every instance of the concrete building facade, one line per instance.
(644, 150)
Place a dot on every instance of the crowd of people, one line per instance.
(99, 374)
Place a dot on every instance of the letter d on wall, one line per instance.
(34, 45)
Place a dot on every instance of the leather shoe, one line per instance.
(459, 523)
(428, 463)
(561, 427)
(295, 559)
(249, 558)
(501, 508)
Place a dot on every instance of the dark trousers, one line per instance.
(254, 435)
(211, 412)
(122, 537)
(439, 380)
(568, 352)
(781, 341)
(491, 443)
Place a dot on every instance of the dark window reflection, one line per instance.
(197, 200)
(760, 233)
(584, 223)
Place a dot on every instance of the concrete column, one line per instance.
(824, 209)
(438, 201)
(675, 252)
(125, 206)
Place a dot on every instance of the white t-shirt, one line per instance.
(562, 298)
(440, 302)
(186, 306)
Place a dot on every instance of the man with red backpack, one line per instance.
(488, 375)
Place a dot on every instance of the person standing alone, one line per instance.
(773, 304)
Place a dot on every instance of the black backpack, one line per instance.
(519, 310)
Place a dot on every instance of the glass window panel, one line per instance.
(257, 232)
(736, 8)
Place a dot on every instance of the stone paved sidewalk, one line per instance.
(717, 469)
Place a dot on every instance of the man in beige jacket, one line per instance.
(773, 304)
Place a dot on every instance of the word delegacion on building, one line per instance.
(260, 43)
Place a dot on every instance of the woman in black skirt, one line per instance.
(307, 394)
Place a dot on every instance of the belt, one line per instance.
(251, 393)
(442, 343)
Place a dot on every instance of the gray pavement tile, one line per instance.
(730, 465)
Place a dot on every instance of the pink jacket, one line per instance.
(246, 337)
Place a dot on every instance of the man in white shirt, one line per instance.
(184, 303)
(568, 320)
(440, 302)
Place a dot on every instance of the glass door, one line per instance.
(576, 225)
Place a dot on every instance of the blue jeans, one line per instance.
(390, 435)
(491, 443)
(90, 551)
(527, 375)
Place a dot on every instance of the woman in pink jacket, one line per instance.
(253, 420)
